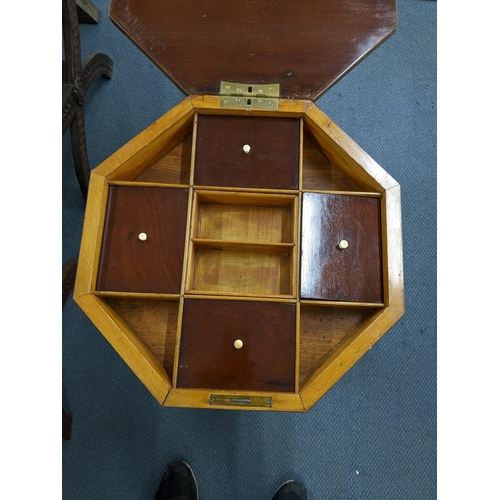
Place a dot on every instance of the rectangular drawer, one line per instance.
(273, 160)
(353, 274)
(130, 265)
(208, 358)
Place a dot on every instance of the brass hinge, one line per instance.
(248, 95)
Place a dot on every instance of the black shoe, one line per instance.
(178, 483)
(291, 490)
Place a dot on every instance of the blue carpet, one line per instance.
(373, 435)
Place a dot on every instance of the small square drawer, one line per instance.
(237, 345)
(143, 242)
(341, 248)
(243, 151)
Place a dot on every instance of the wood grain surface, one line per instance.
(173, 168)
(208, 358)
(245, 223)
(303, 46)
(318, 174)
(322, 329)
(154, 322)
(131, 265)
(273, 161)
(329, 273)
(241, 271)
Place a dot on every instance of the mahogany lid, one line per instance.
(305, 46)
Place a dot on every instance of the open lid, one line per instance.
(305, 46)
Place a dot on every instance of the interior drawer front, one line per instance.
(208, 358)
(328, 272)
(273, 159)
(129, 264)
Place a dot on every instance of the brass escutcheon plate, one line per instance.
(225, 400)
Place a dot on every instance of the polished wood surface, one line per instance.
(152, 144)
(318, 174)
(329, 335)
(127, 344)
(392, 250)
(208, 358)
(211, 105)
(173, 168)
(242, 243)
(353, 274)
(273, 160)
(90, 246)
(241, 270)
(245, 223)
(347, 156)
(304, 46)
(131, 265)
(346, 354)
(154, 322)
(199, 398)
(322, 329)
(249, 217)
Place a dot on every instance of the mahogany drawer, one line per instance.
(328, 272)
(273, 159)
(129, 264)
(209, 359)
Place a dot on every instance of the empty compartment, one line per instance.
(241, 271)
(242, 243)
(173, 168)
(322, 329)
(244, 217)
(319, 173)
(245, 223)
(155, 324)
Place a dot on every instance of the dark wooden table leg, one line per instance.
(67, 422)
(68, 282)
(77, 78)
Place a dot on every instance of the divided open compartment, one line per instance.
(243, 244)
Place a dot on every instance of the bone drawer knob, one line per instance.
(343, 244)
(246, 148)
(238, 344)
(143, 236)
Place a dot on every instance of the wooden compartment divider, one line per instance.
(242, 244)
(187, 246)
(297, 347)
(177, 342)
(193, 148)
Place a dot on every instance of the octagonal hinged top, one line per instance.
(305, 47)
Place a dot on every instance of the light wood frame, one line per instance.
(152, 144)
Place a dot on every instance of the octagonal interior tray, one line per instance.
(259, 265)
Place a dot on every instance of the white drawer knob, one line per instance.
(238, 344)
(143, 236)
(246, 148)
(343, 244)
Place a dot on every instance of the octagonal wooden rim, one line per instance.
(136, 155)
